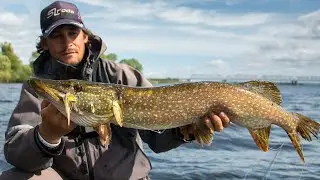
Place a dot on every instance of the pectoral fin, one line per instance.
(92, 108)
(105, 133)
(67, 99)
(202, 136)
(261, 137)
(117, 112)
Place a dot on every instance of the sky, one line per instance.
(183, 38)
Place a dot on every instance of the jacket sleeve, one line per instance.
(158, 142)
(22, 147)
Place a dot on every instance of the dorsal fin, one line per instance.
(266, 89)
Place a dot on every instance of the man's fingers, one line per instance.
(190, 129)
(209, 125)
(44, 104)
(53, 109)
(184, 131)
(64, 122)
(72, 126)
(225, 119)
(217, 122)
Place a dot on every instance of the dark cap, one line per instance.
(58, 13)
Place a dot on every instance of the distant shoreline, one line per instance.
(153, 81)
(164, 81)
(156, 81)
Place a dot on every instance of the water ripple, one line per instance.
(6, 101)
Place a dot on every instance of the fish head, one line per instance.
(77, 97)
(51, 89)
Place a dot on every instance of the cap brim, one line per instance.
(47, 32)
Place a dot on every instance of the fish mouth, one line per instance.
(62, 100)
(45, 91)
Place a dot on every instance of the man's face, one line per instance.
(66, 43)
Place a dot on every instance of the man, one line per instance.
(38, 137)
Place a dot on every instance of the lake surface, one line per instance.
(232, 155)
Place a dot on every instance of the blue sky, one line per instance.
(184, 37)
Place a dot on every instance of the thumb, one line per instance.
(44, 104)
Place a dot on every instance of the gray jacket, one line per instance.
(80, 154)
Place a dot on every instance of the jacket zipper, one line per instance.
(87, 151)
(80, 148)
(89, 159)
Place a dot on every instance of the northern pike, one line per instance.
(255, 105)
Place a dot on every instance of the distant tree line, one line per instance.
(11, 67)
(131, 62)
(13, 70)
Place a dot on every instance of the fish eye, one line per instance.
(77, 87)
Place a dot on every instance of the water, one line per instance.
(9, 97)
(232, 155)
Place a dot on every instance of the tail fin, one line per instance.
(306, 126)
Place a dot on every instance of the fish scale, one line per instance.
(255, 105)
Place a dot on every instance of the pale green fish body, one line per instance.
(174, 106)
(254, 105)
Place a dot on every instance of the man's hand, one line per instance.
(54, 124)
(216, 122)
(206, 126)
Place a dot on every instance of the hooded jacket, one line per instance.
(80, 155)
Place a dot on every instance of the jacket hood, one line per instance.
(47, 67)
(98, 47)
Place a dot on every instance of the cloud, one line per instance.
(156, 74)
(96, 2)
(311, 22)
(131, 26)
(240, 41)
(211, 18)
(21, 31)
(169, 13)
(312, 16)
(10, 19)
(296, 44)
(219, 65)
(126, 8)
(234, 2)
